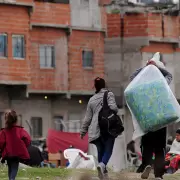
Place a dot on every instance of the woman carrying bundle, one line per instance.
(153, 142)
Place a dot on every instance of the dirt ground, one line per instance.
(122, 176)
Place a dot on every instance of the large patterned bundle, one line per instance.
(151, 104)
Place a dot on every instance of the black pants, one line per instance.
(13, 166)
(154, 142)
(104, 148)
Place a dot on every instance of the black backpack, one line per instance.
(109, 122)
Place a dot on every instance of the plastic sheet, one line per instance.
(156, 59)
(151, 102)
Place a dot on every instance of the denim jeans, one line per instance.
(50, 165)
(105, 148)
(12, 169)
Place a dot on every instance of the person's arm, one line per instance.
(87, 121)
(112, 102)
(26, 137)
(168, 76)
(2, 140)
(135, 74)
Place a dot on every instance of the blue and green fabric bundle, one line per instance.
(151, 105)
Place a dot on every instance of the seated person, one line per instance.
(173, 156)
(45, 161)
(35, 157)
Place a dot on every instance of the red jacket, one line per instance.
(14, 143)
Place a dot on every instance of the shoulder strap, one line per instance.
(105, 103)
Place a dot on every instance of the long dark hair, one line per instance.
(10, 119)
(99, 84)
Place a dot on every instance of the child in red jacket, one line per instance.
(14, 141)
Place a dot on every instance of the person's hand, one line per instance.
(151, 63)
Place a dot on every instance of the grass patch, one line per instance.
(33, 173)
(63, 174)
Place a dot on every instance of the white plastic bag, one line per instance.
(151, 102)
(156, 59)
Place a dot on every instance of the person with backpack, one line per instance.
(153, 142)
(101, 132)
(14, 141)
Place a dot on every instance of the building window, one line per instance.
(36, 123)
(87, 57)
(3, 45)
(18, 46)
(47, 56)
(58, 122)
(74, 123)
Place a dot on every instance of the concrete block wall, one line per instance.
(86, 14)
(37, 106)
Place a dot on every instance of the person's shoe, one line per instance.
(106, 176)
(146, 172)
(159, 178)
(101, 169)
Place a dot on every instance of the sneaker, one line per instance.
(146, 172)
(101, 169)
(106, 176)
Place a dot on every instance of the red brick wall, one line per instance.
(172, 26)
(143, 25)
(159, 47)
(14, 20)
(113, 25)
(54, 79)
(25, 1)
(103, 18)
(51, 13)
(135, 25)
(82, 79)
(154, 25)
(104, 2)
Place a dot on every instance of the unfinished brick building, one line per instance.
(50, 51)
(144, 33)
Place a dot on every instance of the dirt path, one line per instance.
(125, 176)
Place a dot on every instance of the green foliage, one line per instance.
(115, 11)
